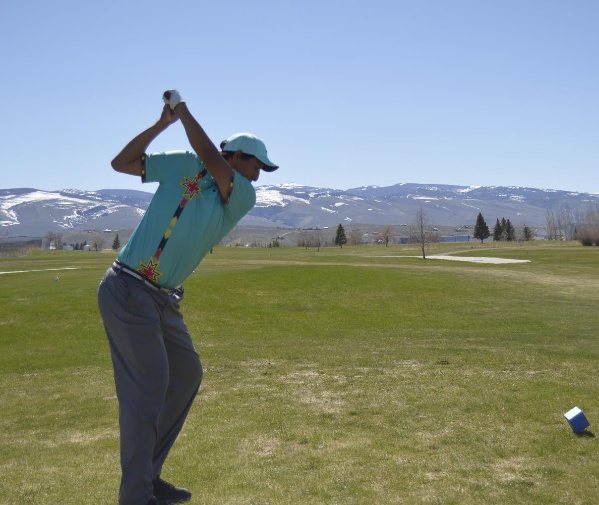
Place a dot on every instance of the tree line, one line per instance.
(55, 241)
(503, 231)
(566, 223)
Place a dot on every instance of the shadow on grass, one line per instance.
(585, 434)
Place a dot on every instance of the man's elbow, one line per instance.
(125, 167)
(116, 165)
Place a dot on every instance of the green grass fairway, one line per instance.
(361, 375)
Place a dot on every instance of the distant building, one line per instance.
(455, 238)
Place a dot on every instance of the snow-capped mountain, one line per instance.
(34, 213)
(305, 207)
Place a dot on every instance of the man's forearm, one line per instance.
(199, 140)
(205, 148)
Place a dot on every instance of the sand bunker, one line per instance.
(38, 270)
(475, 259)
(471, 259)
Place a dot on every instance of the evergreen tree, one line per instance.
(497, 231)
(116, 245)
(527, 233)
(510, 232)
(481, 230)
(340, 238)
(503, 229)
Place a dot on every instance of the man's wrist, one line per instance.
(160, 125)
(180, 107)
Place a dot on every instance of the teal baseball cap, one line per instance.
(249, 144)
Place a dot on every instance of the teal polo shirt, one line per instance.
(185, 219)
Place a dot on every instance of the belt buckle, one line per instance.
(176, 293)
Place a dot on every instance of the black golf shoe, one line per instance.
(167, 494)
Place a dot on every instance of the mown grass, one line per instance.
(359, 375)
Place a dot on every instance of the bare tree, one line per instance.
(318, 238)
(562, 224)
(593, 216)
(311, 240)
(98, 243)
(421, 232)
(384, 235)
(355, 237)
(54, 240)
(551, 225)
(588, 226)
(566, 223)
(303, 240)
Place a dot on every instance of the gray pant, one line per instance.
(157, 374)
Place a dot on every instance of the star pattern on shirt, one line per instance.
(150, 270)
(192, 187)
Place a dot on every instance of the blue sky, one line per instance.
(344, 93)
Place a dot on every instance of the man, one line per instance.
(157, 372)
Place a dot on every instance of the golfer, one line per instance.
(157, 372)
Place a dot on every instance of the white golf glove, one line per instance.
(172, 98)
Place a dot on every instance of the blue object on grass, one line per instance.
(576, 418)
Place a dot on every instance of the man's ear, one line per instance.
(234, 159)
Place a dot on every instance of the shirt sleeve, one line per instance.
(162, 166)
(242, 199)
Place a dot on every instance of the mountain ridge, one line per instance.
(33, 212)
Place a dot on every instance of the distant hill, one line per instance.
(28, 212)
